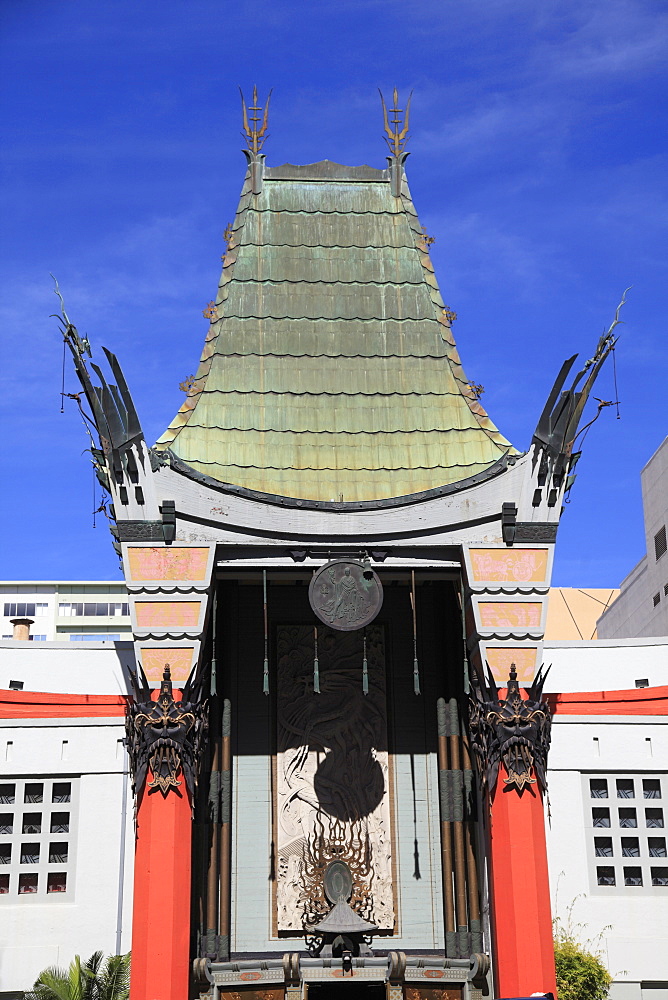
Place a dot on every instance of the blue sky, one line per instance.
(538, 161)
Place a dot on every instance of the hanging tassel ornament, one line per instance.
(316, 665)
(265, 675)
(365, 668)
(416, 668)
(214, 615)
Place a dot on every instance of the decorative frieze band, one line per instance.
(168, 588)
(506, 606)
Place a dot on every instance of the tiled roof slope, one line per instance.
(330, 371)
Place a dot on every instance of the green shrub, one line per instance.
(581, 975)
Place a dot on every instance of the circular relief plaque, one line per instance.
(346, 595)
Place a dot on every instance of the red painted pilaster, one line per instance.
(161, 912)
(520, 893)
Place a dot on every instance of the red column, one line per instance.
(161, 911)
(520, 893)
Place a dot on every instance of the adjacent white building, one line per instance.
(642, 606)
(71, 610)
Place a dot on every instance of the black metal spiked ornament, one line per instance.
(346, 594)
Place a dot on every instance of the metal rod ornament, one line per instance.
(416, 667)
(365, 668)
(316, 664)
(265, 675)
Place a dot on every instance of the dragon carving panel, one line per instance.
(332, 795)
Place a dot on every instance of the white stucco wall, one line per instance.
(96, 911)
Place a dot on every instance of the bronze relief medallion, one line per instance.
(345, 594)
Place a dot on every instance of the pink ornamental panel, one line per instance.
(167, 614)
(501, 658)
(179, 660)
(158, 563)
(509, 565)
(509, 615)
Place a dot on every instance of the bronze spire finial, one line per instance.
(255, 137)
(396, 139)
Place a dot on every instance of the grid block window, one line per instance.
(34, 792)
(32, 823)
(625, 788)
(62, 791)
(628, 818)
(630, 847)
(632, 876)
(657, 847)
(605, 875)
(30, 854)
(656, 600)
(654, 818)
(660, 543)
(651, 788)
(600, 817)
(603, 847)
(7, 794)
(58, 853)
(598, 788)
(627, 848)
(56, 882)
(60, 822)
(36, 848)
(28, 883)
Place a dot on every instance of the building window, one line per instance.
(656, 599)
(62, 791)
(32, 823)
(605, 875)
(94, 637)
(632, 876)
(660, 543)
(642, 682)
(33, 862)
(651, 788)
(34, 792)
(20, 610)
(58, 854)
(603, 847)
(598, 788)
(628, 818)
(7, 794)
(600, 817)
(625, 789)
(657, 847)
(56, 882)
(93, 609)
(630, 847)
(654, 818)
(28, 883)
(659, 876)
(29, 854)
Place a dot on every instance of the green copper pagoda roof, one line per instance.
(329, 371)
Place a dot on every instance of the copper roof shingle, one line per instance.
(329, 371)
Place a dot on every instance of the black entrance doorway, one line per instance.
(349, 990)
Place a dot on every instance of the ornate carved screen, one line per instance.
(332, 797)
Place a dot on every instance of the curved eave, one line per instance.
(345, 506)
